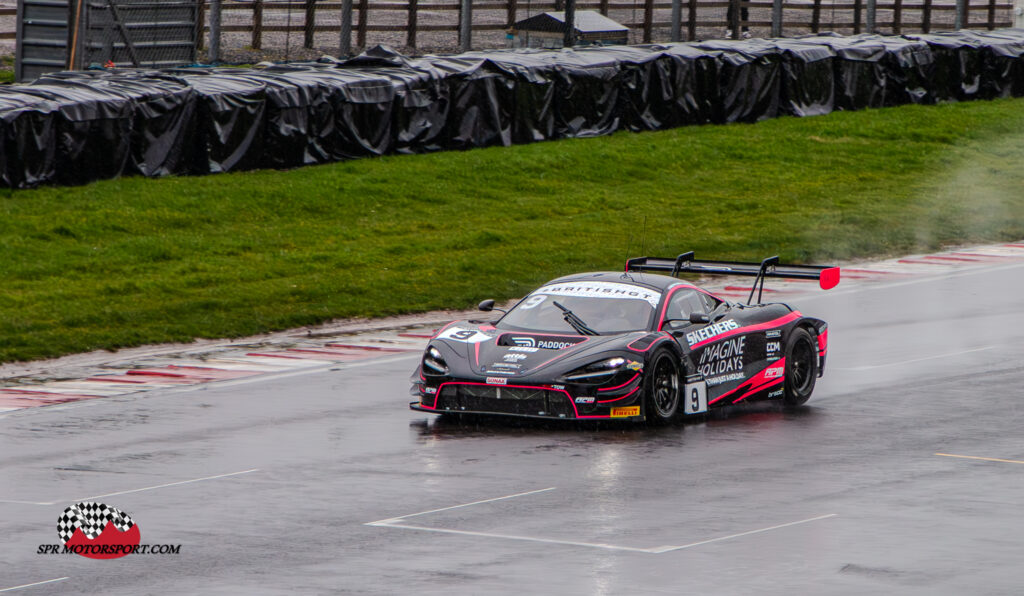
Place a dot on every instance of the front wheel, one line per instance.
(662, 388)
(801, 368)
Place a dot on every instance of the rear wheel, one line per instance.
(662, 388)
(801, 367)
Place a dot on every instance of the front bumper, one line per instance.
(527, 401)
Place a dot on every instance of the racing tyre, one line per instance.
(801, 368)
(662, 388)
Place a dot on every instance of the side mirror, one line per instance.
(699, 318)
(486, 305)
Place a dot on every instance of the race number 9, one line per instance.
(696, 398)
(533, 301)
(471, 336)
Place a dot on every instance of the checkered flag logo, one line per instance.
(92, 518)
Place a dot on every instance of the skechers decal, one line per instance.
(695, 337)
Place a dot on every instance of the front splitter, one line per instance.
(419, 408)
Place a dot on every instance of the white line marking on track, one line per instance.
(26, 502)
(49, 581)
(138, 490)
(400, 518)
(134, 490)
(887, 364)
(513, 537)
(665, 549)
(1005, 461)
(397, 522)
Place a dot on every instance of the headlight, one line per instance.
(598, 371)
(433, 363)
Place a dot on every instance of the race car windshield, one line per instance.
(604, 310)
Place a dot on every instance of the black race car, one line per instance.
(634, 345)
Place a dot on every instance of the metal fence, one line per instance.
(55, 35)
(147, 33)
(270, 29)
(344, 26)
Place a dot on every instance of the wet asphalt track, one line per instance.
(847, 495)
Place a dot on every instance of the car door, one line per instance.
(718, 350)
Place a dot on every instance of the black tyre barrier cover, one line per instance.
(290, 112)
(908, 64)
(587, 89)
(525, 84)
(956, 69)
(1002, 64)
(229, 121)
(421, 102)
(858, 73)
(92, 127)
(669, 86)
(749, 73)
(28, 155)
(73, 128)
(162, 119)
(808, 78)
(316, 115)
(482, 103)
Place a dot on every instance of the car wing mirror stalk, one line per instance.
(488, 306)
(699, 318)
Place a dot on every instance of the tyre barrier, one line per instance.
(76, 127)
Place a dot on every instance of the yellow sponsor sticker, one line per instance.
(625, 412)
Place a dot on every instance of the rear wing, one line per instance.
(827, 276)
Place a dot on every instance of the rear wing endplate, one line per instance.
(827, 275)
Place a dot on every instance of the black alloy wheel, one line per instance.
(662, 388)
(801, 367)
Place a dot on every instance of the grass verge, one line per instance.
(134, 261)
